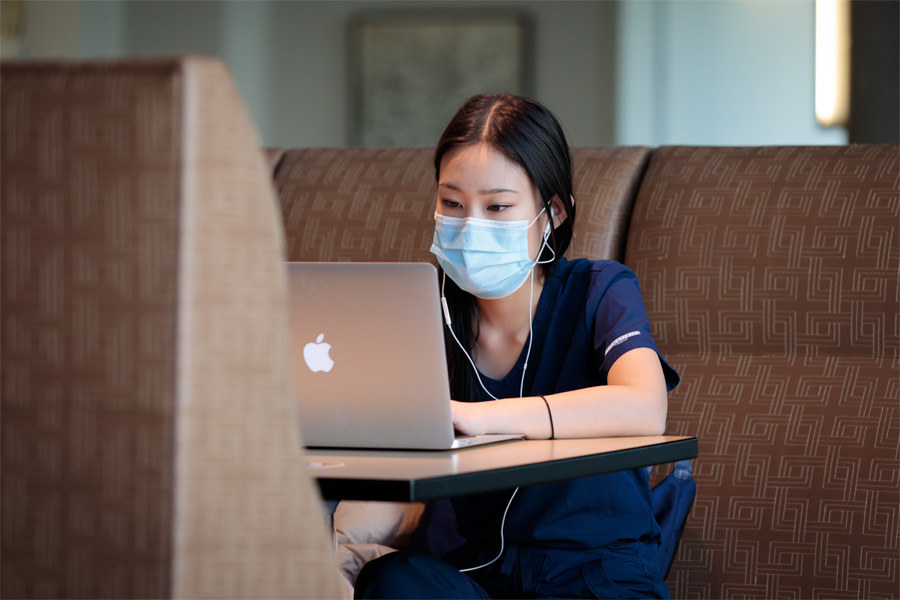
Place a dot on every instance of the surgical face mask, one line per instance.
(487, 258)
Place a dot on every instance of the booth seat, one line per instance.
(770, 275)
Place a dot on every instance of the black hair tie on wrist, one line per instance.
(550, 414)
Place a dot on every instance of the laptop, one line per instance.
(368, 362)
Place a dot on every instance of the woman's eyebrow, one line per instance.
(499, 190)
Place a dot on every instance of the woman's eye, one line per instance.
(498, 207)
(449, 203)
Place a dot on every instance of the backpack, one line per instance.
(672, 499)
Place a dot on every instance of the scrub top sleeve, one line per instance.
(621, 325)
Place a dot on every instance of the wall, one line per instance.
(631, 72)
(573, 46)
(49, 30)
(718, 73)
(875, 73)
(290, 58)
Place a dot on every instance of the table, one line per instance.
(413, 476)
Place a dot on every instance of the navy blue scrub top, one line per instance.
(589, 314)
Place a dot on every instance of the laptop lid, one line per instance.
(368, 356)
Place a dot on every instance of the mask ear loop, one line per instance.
(544, 244)
(548, 247)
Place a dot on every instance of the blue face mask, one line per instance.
(487, 258)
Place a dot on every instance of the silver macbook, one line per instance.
(368, 357)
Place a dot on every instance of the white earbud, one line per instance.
(446, 308)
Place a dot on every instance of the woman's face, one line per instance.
(479, 181)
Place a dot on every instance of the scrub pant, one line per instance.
(522, 572)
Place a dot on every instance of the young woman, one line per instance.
(538, 345)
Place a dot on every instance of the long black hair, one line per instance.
(529, 135)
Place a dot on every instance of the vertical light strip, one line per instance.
(832, 61)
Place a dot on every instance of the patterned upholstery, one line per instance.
(357, 204)
(606, 182)
(771, 280)
(365, 204)
(149, 437)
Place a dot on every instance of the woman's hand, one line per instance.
(468, 417)
(508, 415)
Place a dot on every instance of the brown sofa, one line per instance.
(770, 275)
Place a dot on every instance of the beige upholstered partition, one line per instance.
(771, 279)
(149, 441)
(376, 204)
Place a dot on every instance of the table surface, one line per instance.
(411, 476)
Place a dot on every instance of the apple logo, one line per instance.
(316, 355)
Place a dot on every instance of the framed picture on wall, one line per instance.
(410, 73)
(12, 28)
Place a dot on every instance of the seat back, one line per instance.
(376, 204)
(150, 445)
(770, 277)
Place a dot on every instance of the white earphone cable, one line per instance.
(502, 541)
(447, 318)
(521, 383)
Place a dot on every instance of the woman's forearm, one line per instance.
(633, 403)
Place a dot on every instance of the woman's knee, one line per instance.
(391, 565)
(411, 575)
